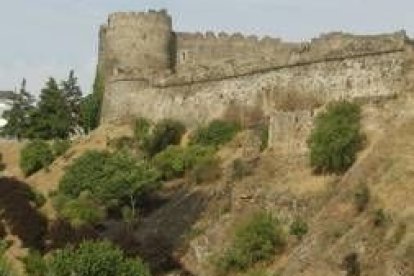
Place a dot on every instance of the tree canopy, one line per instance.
(18, 117)
(60, 111)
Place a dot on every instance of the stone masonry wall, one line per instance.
(153, 72)
(208, 50)
(289, 130)
(136, 42)
(363, 77)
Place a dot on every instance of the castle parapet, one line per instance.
(132, 19)
(139, 42)
(142, 46)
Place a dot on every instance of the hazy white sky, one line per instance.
(41, 38)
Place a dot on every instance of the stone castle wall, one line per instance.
(137, 42)
(209, 48)
(155, 73)
(364, 77)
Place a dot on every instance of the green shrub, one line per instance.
(362, 197)
(38, 198)
(217, 133)
(379, 217)
(299, 228)
(206, 170)
(113, 179)
(59, 147)
(141, 128)
(5, 268)
(35, 156)
(81, 211)
(171, 162)
(202, 163)
(94, 258)
(174, 161)
(257, 240)
(34, 264)
(336, 138)
(166, 132)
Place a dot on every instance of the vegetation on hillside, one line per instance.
(90, 106)
(110, 180)
(38, 154)
(166, 132)
(34, 156)
(336, 138)
(60, 112)
(174, 161)
(90, 258)
(298, 228)
(18, 117)
(59, 147)
(216, 133)
(258, 239)
(5, 267)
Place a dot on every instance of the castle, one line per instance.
(152, 71)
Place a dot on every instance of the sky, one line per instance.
(43, 38)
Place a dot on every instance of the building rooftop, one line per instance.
(7, 94)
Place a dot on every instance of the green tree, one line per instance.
(52, 118)
(90, 108)
(18, 117)
(99, 85)
(94, 259)
(89, 113)
(114, 179)
(73, 96)
(336, 138)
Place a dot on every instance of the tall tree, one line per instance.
(52, 119)
(89, 114)
(91, 104)
(73, 95)
(18, 117)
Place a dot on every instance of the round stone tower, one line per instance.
(138, 44)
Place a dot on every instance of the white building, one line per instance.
(6, 102)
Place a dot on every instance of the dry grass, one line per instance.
(10, 151)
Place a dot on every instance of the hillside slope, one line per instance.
(381, 236)
(186, 227)
(384, 245)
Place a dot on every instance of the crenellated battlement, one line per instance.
(138, 42)
(143, 45)
(152, 71)
(223, 36)
(130, 19)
